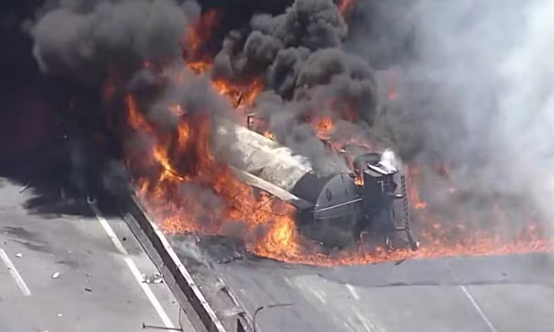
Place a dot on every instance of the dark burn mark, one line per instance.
(20, 232)
(68, 262)
(34, 246)
(52, 205)
(30, 240)
(221, 249)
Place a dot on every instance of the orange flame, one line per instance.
(200, 62)
(189, 191)
(199, 67)
(237, 203)
(392, 89)
(345, 6)
(198, 34)
(239, 95)
(413, 192)
(240, 207)
(195, 41)
(269, 135)
(324, 126)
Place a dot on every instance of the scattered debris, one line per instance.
(19, 255)
(91, 199)
(155, 327)
(24, 187)
(400, 261)
(232, 312)
(156, 278)
(55, 275)
(227, 260)
(271, 306)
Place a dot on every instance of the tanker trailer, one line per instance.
(333, 209)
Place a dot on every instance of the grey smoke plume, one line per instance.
(307, 25)
(475, 90)
(478, 78)
(87, 39)
(300, 55)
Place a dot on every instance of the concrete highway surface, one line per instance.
(67, 266)
(75, 270)
(466, 294)
(511, 294)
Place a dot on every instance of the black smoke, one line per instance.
(300, 56)
(87, 41)
(101, 49)
(30, 102)
(475, 95)
(296, 48)
(465, 84)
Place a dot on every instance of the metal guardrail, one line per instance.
(406, 214)
(181, 275)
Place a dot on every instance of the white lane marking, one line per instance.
(478, 308)
(366, 322)
(353, 291)
(182, 269)
(132, 266)
(13, 271)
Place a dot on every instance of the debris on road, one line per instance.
(400, 261)
(156, 278)
(24, 188)
(55, 275)
(156, 327)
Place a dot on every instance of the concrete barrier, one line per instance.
(180, 274)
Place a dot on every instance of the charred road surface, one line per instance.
(63, 272)
(473, 294)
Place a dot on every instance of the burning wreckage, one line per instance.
(332, 209)
(167, 92)
(169, 80)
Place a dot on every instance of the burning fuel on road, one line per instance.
(225, 123)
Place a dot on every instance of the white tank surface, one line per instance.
(260, 156)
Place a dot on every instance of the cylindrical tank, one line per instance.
(333, 207)
(336, 212)
(260, 156)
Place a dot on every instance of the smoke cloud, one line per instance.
(298, 53)
(475, 80)
(87, 39)
(476, 92)
(307, 72)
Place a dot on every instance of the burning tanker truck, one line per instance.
(333, 209)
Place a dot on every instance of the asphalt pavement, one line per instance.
(463, 294)
(75, 271)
